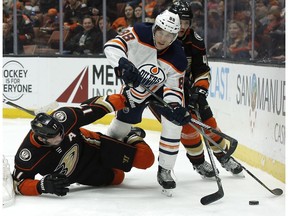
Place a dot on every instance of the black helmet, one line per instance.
(182, 9)
(46, 126)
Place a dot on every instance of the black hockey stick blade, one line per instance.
(31, 112)
(276, 191)
(45, 109)
(231, 149)
(220, 193)
(212, 197)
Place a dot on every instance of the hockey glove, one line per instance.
(197, 97)
(177, 115)
(128, 72)
(54, 184)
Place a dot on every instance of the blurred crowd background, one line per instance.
(240, 30)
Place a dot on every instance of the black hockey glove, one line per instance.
(128, 72)
(197, 97)
(177, 115)
(54, 183)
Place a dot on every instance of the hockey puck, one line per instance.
(253, 202)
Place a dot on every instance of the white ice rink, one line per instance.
(140, 195)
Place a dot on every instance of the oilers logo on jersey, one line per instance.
(151, 75)
(158, 68)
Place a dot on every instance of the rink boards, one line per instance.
(247, 101)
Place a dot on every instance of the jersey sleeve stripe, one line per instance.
(139, 95)
(123, 42)
(117, 43)
(168, 91)
(114, 46)
(28, 187)
(197, 47)
(203, 80)
(173, 98)
(117, 101)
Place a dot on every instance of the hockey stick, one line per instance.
(220, 193)
(276, 191)
(233, 142)
(46, 108)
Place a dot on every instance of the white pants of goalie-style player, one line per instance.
(8, 193)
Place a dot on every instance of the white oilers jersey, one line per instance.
(157, 69)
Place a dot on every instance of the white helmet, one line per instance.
(168, 21)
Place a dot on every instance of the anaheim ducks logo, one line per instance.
(151, 75)
(69, 161)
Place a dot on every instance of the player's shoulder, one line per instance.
(197, 40)
(176, 56)
(64, 113)
(143, 32)
(29, 155)
(67, 116)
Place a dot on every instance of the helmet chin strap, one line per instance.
(174, 39)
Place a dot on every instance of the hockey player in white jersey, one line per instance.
(149, 54)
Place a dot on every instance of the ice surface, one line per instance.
(140, 194)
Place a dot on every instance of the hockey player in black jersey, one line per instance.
(63, 152)
(197, 80)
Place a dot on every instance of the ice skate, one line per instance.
(232, 166)
(139, 131)
(205, 170)
(134, 135)
(166, 181)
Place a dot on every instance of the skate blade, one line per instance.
(167, 192)
(239, 175)
(213, 178)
